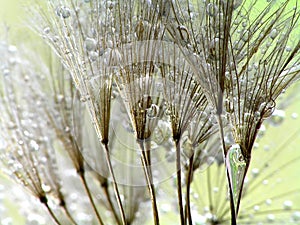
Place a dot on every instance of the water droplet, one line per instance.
(273, 33)
(211, 9)
(84, 98)
(46, 188)
(34, 145)
(265, 182)
(270, 218)
(268, 201)
(245, 35)
(294, 115)
(6, 72)
(11, 125)
(128, 126)
(46, 30)
(67, 129)
(256, 208)
(35, 219)
(267, 108)
(236, 166)
(277, 117)
(63, 12)
(12, 49)
(287, 205)
(90, 44)
(152, 112)
(296, 216)
(59, 98)
(159, 87)
(255, 172)
(187, 147)
(93, 55)
(288, 49)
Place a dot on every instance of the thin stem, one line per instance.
(81, 174)
(179, 189)
(51, 212)
(233, 214)
(69, 215)
(113, 210)
(115, 185)
(188, 215)
(147, 171)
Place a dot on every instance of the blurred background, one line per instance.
(274, 176)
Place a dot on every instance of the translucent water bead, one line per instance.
(63, 12)
(236, 166)
(90, 44)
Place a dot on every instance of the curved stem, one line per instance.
(51, 213)
(188, 215)
(233, 214)
(69, 215)
(111, 206)
(147, 171)
(179, 189)
(115, 185)
(81, 174)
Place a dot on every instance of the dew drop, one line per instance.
(6, 72)
(152, 112)
(46, 188)
(296, 216)
(288, 49)
(187, 147)
(67, 129)
(12, 49)
(46, 30)
(265, 182)
(159, 87)
(59, 98)
(93, 56)
(255, 172)
(245, 36)
(273, 33)
(63, 12)
(268, 201)
(211, 9)
(287, 205)
(277, 117)
(270, 218)
(90, 44)
(236, 166)
(256, 208)
(128, 126)
(34, 145)
(294, 115)
(11, 125)
(84, 98)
